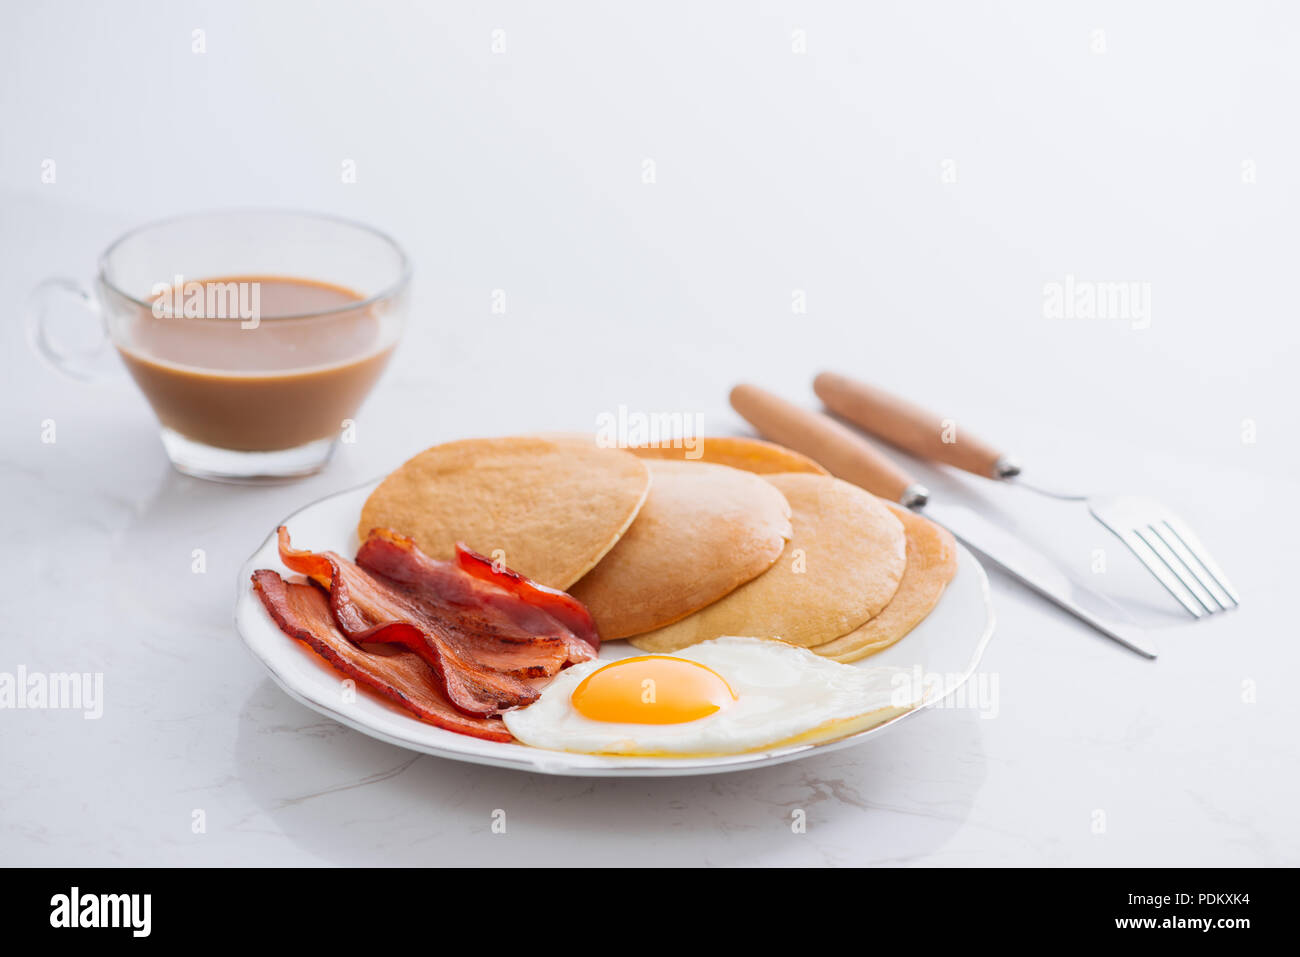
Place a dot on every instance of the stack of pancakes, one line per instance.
(670, 546)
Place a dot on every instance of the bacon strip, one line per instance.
(303, 613)
(561, 606)
(364, 606)
(488, 645)
(496, 615)
(318, 566)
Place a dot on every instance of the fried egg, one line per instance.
(725, 696)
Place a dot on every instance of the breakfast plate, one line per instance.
(941, 654)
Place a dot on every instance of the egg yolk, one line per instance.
(654, 689)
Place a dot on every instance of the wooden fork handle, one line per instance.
(841, 450)
(910, 427)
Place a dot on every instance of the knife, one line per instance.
(849, 456)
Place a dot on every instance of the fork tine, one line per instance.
(1193, 563)
(1157, 545)
(1202, 555)
(1152, 561)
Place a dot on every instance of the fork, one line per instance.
(1161, 541)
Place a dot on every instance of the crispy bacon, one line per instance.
(487, 645)
(364, 606)
(496, 612)
(318, 566)
(560, 605)
(303, 613)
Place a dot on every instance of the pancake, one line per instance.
(704, 530)
(840, 568)
(751, 455)
(549, 509)
(931, 563)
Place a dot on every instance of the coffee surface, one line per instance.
(289, 378)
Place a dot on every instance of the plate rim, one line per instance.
(627, 766)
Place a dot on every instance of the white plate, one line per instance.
(948, 643)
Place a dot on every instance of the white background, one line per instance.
(775, 172)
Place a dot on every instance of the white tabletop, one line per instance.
(1153, 154)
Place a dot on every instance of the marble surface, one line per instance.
(777, 173)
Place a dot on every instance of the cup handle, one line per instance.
(76, 363)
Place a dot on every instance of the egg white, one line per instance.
(783, 692)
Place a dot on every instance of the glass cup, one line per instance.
(254, 334)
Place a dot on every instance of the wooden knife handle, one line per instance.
(910, 427)
(841, 450)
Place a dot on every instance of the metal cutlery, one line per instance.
(1162, 542)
